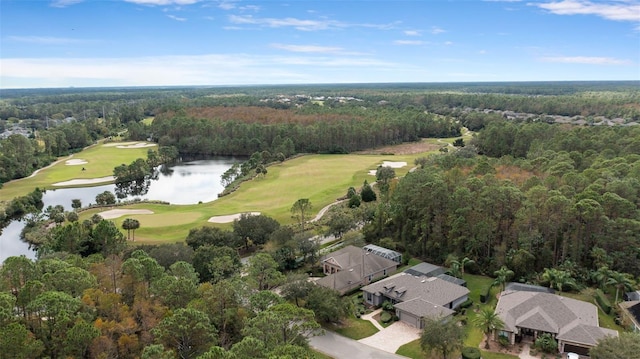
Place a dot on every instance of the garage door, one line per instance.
(569, 348)
(409, 319)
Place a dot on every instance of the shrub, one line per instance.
(503, 341)
(470, 353)
(386, 305)
(484, 297)
(466, 304)
(385, 317)
(603, 302)
(546, 343)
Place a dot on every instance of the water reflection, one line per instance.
(184, 183)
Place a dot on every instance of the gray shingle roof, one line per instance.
(423, 309)
(432, 290)
(586, 334)
(572, 320)
(426, 269)
(350, 260)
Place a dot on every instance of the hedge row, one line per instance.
(470, 353)
(603, 302)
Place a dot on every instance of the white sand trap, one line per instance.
(137, 145)
(114, 144)
(393, 164)
(84, 181)
(75, 162)
(388, 164)
(230, 218)
(115, 213)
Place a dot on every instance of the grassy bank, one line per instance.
(100, 158)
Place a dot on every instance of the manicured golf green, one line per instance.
(100, 158)
(321, 178)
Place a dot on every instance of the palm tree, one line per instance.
(488, 321)
(131, 224)
(601, 276)
(620, 281)
(502, 276)
(558, 279)
(464, 262)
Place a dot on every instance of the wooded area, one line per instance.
(554, 202)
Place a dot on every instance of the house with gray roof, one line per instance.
(631, 296)
(416, 297)
(631, 311)
(573, 323)
(351, 267)
(432, 270)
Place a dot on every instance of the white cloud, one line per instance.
(212, 69)
(176, 18)
(299, 24)
(482, 52)
(610, 10)
(409, 42)
(412, 33)
(64, 3)
(227, 4)
(47, 40)
(308, 48)
(448, 43)
(436, 30)
(586, 60)
(163, 2)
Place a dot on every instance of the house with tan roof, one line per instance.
(351, 267)
(416, 297)
(573, 323)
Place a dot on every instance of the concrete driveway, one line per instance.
(340, 347)
(392, 337)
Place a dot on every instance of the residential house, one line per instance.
(631, 310)
(416, 297)
(573, 323)
(351, 267)
(630, 296)
(384, 252)
(432, 270)
(522, 287)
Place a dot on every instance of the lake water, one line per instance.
(184, 183)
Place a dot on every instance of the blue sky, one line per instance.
(81, 43)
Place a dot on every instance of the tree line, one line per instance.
(564, 197)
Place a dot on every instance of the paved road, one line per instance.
(340, 347)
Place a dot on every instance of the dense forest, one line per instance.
(555, 202)
(555, 196)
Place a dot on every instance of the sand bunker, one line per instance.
(137, 145)
(129, 144)
(84, 181)
(388, 164)
(115, 213)
(230, 218)
(114, 144)
(75, 162)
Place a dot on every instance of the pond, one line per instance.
(187, 182)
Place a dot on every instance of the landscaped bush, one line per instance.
(385, 317)
(484, 297)
(466, 304)
(546, 343)
(603, 302)
(470, 353)
(386, 305)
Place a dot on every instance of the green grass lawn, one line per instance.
(321, 178)
(354, 328)
(411, 350)
(148, 120)
(101, 159)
